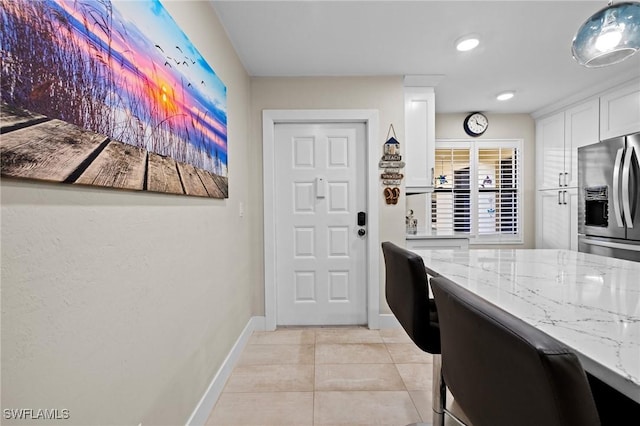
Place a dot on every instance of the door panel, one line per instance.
(550, 144)
(598, 170)
(553, 220)
(320, 259)
(581, 128)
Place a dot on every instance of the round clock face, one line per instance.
(475, 124)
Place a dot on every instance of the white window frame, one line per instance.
(474, 145)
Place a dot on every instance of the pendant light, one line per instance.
(610, 36)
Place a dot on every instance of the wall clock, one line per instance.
(475, 124)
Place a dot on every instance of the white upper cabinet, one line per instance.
(419, 147)
(620, 111)
(557, 140)
(550, 150)
(581, 129)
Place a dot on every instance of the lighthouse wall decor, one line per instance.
(391, 164)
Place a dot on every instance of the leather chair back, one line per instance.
(406, 290)
(503, 371)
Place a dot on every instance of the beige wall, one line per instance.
(503, 126)
(121, 306)
(384, 94)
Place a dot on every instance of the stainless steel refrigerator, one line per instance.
(609, 198)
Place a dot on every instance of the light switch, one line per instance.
(320, 187)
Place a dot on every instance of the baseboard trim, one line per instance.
(388, 321)
(208, 401)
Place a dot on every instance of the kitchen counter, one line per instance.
(432, 239)
(590, 303)
(434, 233)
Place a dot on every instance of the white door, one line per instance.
(581, 128)
(550, 151)
(553, 228)
(320, 257)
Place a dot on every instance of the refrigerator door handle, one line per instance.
(626, 175)
(610, 244)
(616, 188)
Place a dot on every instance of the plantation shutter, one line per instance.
(497, 208)
(451, 200)
(476, 189)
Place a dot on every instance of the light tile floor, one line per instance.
(327, 376)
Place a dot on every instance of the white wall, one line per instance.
(120, 306)
(382, 93)
(503, 126)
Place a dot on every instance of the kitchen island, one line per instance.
(590, 303)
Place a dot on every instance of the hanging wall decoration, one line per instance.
(392, 166)
(111, 94)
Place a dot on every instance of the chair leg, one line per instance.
(439, 392)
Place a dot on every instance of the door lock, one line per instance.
(361, 232)
(362, 218)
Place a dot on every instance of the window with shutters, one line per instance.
(477, 189)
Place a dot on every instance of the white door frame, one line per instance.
(370, 118)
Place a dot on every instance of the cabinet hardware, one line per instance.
(566, 175)
(560, 179)
(564, 197)
(559, 202)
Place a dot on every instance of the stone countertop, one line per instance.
(424, 234)
(590, 303)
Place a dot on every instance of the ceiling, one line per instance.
(525, 46)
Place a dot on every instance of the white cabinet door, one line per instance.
(553, 219)
(572, 202)
(558, 138)
(420, 113)
(620, 111)
(581, 128)
(550, 149)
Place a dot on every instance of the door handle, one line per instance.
(566, 175)
(626, 175)
(559, 202)
(616, 188)
(564, 197)
(560, 179)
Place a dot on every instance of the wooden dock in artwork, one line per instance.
(35, 147)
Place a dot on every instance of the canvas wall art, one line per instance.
(109, 93)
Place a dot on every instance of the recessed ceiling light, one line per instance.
(505, 95)
(468, 42)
